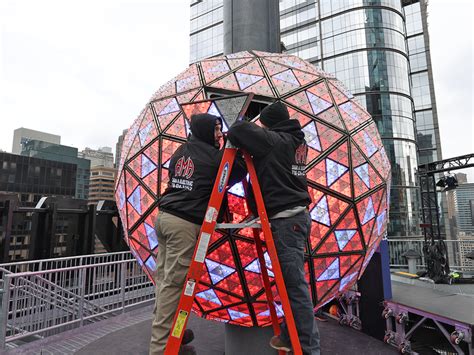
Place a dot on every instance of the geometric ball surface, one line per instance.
(347, 169)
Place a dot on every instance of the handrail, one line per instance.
(46, 302)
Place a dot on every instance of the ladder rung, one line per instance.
(238, 225)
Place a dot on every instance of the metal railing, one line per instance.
(456, 253)
(45, 297)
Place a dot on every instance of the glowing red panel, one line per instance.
(348, 176)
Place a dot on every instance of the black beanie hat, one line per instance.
(274, 113)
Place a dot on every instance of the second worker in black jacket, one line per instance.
(279, 154)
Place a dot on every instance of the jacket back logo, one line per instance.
(301, 154)
(184, 168)
(300, 160)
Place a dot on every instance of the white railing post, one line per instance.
(82, 292)
(4, 303)
(123, 270)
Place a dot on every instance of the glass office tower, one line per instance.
(378, 49)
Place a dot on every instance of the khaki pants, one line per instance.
(176, 242)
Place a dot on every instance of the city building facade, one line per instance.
(23, 182)
(464, 208)
(20, 135)
(380, 51)
(61, 153)
(99, 157)
(31, 177)
(102, 184)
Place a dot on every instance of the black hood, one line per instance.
(203, 126)
(292, 127)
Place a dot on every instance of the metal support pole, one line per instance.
(251, 25)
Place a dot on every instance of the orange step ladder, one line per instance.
(200, 251)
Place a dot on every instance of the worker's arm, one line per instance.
(252, 138)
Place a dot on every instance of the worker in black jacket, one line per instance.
(192, 172)
(279, 154)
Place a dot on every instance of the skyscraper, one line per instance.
(380, 50)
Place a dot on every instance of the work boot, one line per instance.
(187, 350)
(319, 315)
(188, 336)
(278, 344)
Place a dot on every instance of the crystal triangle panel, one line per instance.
(341, 155)
(348, 261)
(381, 164)
(320, 90)
(334, 171)
(320, 212)
(323, 287)
(179, 128)
(217, 271)
(165, 90)
(317, 104)
(296, 63)
(231, 108)
(187, 97)
(301, 101)
(329, 246)
(331, 116)
(336, 207)
(188, 80)
(328, 136)
(285, 82)
(347, 281)
(301, 117)
(208, 299)
(317, 174)
(261, 88)
(303, 77)
(317, 234)
(168, 147)
(141, 253)
(252, 68)
(366, 210)
(214, 69)
(344, 236)
(228, 82)
(352, 114)
(273, 68)
(339, 93)
(135, 148)
(121, 198)
(331, 272)
(246, 80)
(237, 62)
(311, 136)
(320, 265)
(194, 108)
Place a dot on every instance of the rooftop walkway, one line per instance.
(130, 334)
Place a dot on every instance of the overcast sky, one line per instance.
(85, 69)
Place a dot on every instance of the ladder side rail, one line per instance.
(264, 272)
(273, 256)
(197, 262)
